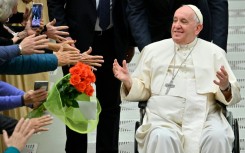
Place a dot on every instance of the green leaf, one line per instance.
(75, 104)
(36, 112)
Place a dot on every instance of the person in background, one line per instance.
(46, 62)
(183, 79)
(109, 36)
(150, 21)
(8, 36)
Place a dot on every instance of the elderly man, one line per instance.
(182, 79)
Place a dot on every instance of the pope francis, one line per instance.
(182, 79)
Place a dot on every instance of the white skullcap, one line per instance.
(197, 12)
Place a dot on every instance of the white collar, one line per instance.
(187, 46)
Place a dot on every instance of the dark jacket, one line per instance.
(7, 123)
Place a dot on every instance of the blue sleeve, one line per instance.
(11, 150)
(29, 64)
(8, 52)
(10, 96)
(138, 21)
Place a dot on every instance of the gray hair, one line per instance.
(198, 14)
(6, 9)
(196, 19)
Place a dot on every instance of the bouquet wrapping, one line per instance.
(73, 100)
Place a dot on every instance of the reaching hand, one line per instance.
(35, 96)
(38, 123)
(223, 77)
(34, 45)
(92, 60)
(56, 32)
(67, 57)
(20, 136)
(67, 45)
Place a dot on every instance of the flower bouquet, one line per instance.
(73, 100)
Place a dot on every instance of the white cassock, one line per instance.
(187, 119)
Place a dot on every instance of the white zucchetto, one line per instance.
(197, 12)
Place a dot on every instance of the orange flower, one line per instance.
(75, 79)
(75, 70)
(78, 82)
(81, 78)
(81, 87)
(89, 90)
